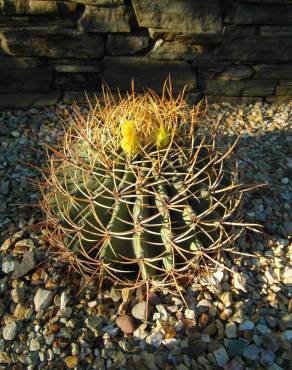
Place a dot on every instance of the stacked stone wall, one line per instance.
(227, 50)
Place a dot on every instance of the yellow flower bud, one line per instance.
(162, 137)
(130, 140)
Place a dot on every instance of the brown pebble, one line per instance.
(71, 361)
(126, 323)
(203, 320)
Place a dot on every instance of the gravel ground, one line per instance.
(237, 321)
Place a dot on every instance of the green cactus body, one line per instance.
(142, 210)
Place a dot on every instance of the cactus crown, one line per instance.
(137, 194)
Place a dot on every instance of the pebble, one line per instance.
(18, 294)
(235, 347)
(240, 282)
(231, 330)
(287, 276)
(162, 311)
(267, 357)
(126, 323)
(71, 362)
(22, 311)
(235, 364)
(271, 276)
(246, 325)
(64, 301)
(34, 345)
(189, 314)
(285, 180)
(226, 298)
(251, 352)
(287, 335)
(203, 306)
(263, 329)
(182, 367)
(43, 299)
(7, 266)
(139, 311)
(155, 338)
(10, 331)
(221, 356)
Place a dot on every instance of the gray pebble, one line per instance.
(251, 352)
(10, 331)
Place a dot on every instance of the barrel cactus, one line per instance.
(138, 194)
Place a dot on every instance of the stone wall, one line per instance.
(228, 50)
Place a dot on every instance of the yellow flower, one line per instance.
(162, 137)
(130, 140)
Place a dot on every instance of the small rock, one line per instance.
(203, 306)
(287, 335)
(189, 314)
(90, 304)
(71, 361)
(155, 338)
(18, 294)
(66, 312)
(217, 277)
(94, 323)
(270, 342)
(22, 312)
(5, 358)
(120, 360)
(226, 298)
(162, 311)
(263, 329)
(139, 311)
(43, 299)
(271, 276)
(231, 330)
(182, 367)
(110, 330)
(211, 329)
(267, 357)
(64, 301)
(236, 347)
(10, 331)
(149, 360)
(275, 366)
(7, 266)
(240, 282)
(286, 320)
(126, 323)
(15, 133)
(246, 325)
(251, 352)
(25, 266)
(170, 343)
(28, 243)
(235, 364)
(140, 333)
(74, 349)
(287, 276)
(221, 356)
(34, 345)
(225, 314)
(116, 294)
(203, 320)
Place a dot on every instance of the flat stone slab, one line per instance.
(185, 15)
(147, 73)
